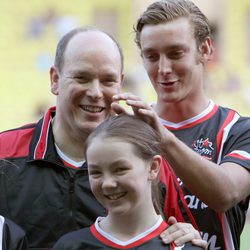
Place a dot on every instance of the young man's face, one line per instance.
(91, 75)
(171, 59)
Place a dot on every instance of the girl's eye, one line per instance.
(95, 174)
(121, 170)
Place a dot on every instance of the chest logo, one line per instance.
(203, 147)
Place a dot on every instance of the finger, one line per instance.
(179, 239)
(170, 234)
(131, 101)
(153, 120)
(139, 104)
(118, 109)
(180, 233)
(186, 234)
(144, 111)
(200, 243)
(125, 96)
(172, 220)
(149, 116)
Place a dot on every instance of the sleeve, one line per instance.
(13, 237)
(237, 144)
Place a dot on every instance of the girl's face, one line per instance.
(119, 178)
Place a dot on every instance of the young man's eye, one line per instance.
(151, 57)
(176, 54)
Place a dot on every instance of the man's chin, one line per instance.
(88, 127)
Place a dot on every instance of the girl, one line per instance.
(123, 155)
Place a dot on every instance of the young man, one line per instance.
(44, 181)
(207, 145)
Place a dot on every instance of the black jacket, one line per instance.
(12, 236)
(38, 192)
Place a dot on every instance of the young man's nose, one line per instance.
(164, 65)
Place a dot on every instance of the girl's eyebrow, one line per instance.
(113, 164)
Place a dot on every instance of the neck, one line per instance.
(180, 111)
(134, 224)
(70, 145)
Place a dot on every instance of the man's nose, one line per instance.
(95, 90)
(164, 66)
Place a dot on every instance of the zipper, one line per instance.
(71, 194)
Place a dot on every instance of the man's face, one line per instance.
(171, 59)
(90, 76)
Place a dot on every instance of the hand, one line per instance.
(143, 110)
(181, 233)
(131, 100)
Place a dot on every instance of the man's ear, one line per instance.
(54, 80)
(154, 167)
(206, 50)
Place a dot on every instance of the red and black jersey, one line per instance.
(48, 199)
(12, 237)
(220, 135)
(95, 238)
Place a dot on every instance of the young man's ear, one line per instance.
(155, 167)
(54, 79)
(206, 50)
(122, 79)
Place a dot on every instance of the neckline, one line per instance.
(145, 236)
(205, 114)
(67, 160)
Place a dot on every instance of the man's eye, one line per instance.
(176, 54)
(81, 79)
(108, 81)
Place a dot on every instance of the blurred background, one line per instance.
(30, 31)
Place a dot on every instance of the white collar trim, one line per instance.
(208, 109)
(134, 239)
(76, 164)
